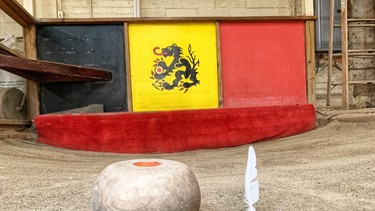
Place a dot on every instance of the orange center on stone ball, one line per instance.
(146, 164)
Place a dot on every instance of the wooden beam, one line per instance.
(330, 51)
(310, 62)
(74, 21)
(14, 10)
(33, 103)
(344, 50)
(7, 51)
(127, 67)
(308, 10)
(46, 72)
(219, 70)
(6, 124)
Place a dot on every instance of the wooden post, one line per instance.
(30, 6)
(127, 67)
(14, 10)
(33, 103)
(330, 51)
(344, 49)
(219, 73)
(310, 62)
(308, 10)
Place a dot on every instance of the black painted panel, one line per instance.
(100, 46)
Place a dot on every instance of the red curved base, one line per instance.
(173, 131)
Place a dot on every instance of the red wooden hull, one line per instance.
(173, 131)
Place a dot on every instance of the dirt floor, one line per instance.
(330, 168)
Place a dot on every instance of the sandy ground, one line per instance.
(330, 168)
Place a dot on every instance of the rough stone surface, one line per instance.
(169, 185)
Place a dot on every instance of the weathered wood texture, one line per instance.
(33, 103)
(310, 62)
(59, 21)
(344, 48)
(46, 72)
(7, 51)
(129, 99)
(330, 52)
(219, 70)
(6, 124)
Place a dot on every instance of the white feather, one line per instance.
(251, 181)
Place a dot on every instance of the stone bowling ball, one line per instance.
(147, 184)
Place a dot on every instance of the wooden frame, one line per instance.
(22, 17)
(310, 62)
(33, 103)
(127, 67)
(220, 88)
(345, 57)
(75, 21)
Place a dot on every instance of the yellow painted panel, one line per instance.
(173, 66)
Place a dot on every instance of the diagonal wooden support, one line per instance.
(47, 72)
(7, 51)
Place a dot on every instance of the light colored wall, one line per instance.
(45, 8)
(193, 8)
(8, 26)
(84, 8)
(167, 8)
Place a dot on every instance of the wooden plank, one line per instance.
(344, 47)
(330, 51)
(362, 82)
(7, 51)
(127, 67)
(360, 54)
(46, 72)
(354, 54)
(6, 124)
(33, 103)
(219, 73)
(361, 50)
(14, 10)
(57, 21)
(360, 19)
(310, 62)
(362, 25)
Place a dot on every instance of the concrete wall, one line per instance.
(166, 8)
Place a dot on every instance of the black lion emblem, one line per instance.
(181, 72)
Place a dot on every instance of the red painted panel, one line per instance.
(263, 63)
